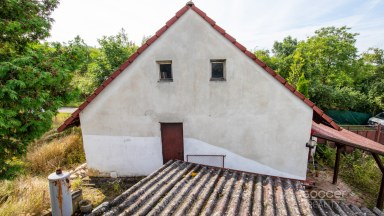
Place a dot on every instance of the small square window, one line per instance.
(165, 68)
(218, 70)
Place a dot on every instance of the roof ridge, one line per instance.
(74, 118)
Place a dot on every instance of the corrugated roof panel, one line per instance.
(182, 188)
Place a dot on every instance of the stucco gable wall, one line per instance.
(250, 114)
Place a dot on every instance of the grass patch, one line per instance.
(23, 195)
(65, 152)
(99, 189)
(59, 119)
(358, 169)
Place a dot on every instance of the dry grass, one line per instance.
(59, 119)
(65, 152)
(29, 194)
(24, 195)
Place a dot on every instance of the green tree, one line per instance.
(332, 66)
(265, 56)
(34, 77)
(22, 22)
(303, 85)
(114, 51)
(34, 84)
(373, 81)
(284, 55)
(84, 76)
(296, 69)
(330, 56)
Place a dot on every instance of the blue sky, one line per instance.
(254, 23)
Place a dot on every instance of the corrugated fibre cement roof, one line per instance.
(182, 188)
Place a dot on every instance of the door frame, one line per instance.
(180, 154)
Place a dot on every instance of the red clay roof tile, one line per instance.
(250, 55)
(89, 99)
(161, 31)
(82, 106)
(289, 87)
(171, 21)
(124, 65)
(142, 48)
(230, 38)
(241, 47)
(106, 82)
(209, 20)
(133, 57)
(182, 11)
(198, 11)
(318, 110)
(219, 29)
(298, 94)
(259, 62)
(327, 118)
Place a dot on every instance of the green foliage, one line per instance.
(283, 55)
(302, 85)
(34, 77)
(22, 22)
(114, 51)
(327, 68)
(296, 69)
(373, 81)
(30, 95)
(84, 77)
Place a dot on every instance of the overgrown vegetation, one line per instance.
(25, 194)
(358, 169)
(36, 78)
(28, 191)
(329, 70)
(61, 152)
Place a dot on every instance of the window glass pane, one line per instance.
(217, 70)
(166, 71)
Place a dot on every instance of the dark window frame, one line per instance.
(165, 76)
(214, 76)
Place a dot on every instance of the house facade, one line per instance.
(193, 93)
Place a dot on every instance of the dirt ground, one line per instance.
(323, 188)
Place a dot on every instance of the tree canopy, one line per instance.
(328, 69)
(33, 76)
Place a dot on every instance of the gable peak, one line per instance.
(190, 3)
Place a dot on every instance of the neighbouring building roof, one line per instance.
(319, 115)
(347, 137)
(182, 188)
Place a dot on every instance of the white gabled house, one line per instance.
(193, 93)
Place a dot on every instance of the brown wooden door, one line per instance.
(172, 141)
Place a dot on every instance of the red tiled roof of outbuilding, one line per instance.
(346, 137)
